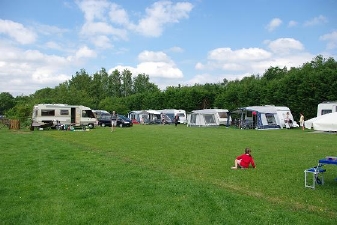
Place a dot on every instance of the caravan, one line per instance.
(285, 116)
(145, 116)
(256, 117)
(326, 107)
(209, 117)
(51, 115)
(172, 112)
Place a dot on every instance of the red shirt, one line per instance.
(246, 159)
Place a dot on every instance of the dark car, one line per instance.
(122, 121)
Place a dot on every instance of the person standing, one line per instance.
(176, 120)
(113, 120)
(302, 121)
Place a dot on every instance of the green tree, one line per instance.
(7, 102)
(127, 83)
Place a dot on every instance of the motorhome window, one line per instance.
(181, 114)
(64, 112)
(48, 112)
(326, 111)
(88, 113)
(222, 114)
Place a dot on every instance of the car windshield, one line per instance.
(105, 117)
(123, 117)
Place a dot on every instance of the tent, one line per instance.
(256, 117)
(208, 117)
(326, 122)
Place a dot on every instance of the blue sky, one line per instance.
(43, 43)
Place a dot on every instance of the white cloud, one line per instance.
(176, 49)
(151, 25)
(26, 71)
(292, 23)
(93, 29)
(118, 15)
(17, 31)
(102, 41)
(227, 54)
(235, 64)
(273, 24)
(150, 56)
(154, 64)
(85, 52)
(285, 45)
(331, 38)
(160, 14)
(93, 9)
(316, 21)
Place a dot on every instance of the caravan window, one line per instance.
(326, 111)
(222, 114)
(181, 114)
(64, 112)
(48, 112)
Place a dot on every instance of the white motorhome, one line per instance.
(172, 112)
(326, 107)
(62, 114)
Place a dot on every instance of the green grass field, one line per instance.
(157, 174)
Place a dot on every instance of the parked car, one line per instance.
(122, 121)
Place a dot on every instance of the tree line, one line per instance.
(301, 89)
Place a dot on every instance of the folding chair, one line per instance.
(317, 176)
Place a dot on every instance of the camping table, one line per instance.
(328, 160)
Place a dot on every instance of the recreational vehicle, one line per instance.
(52, 115)
(172, 112)
(326, 107)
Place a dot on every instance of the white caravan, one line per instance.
(51, 115)
(209, 117)
(282, 115)
(172, 112)
(326, 107)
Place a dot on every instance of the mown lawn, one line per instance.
(157, 174)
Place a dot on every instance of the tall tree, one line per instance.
(115, 84)
(127, 83)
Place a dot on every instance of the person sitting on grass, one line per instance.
(244, 160)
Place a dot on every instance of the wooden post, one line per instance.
(14, 124)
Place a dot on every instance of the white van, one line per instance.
(52, 115)
(172, 112)
(326, 107)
